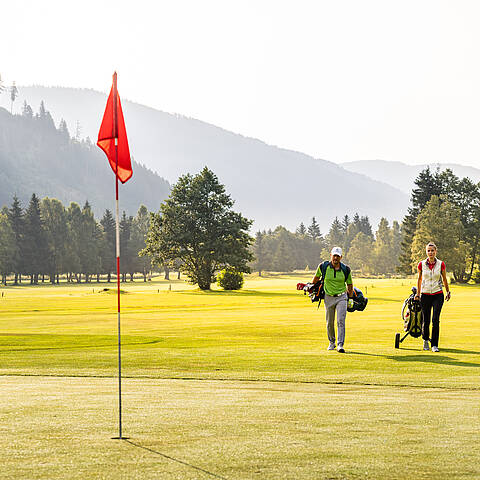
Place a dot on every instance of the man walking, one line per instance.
(337, 281)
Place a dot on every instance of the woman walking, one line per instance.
(431, 275)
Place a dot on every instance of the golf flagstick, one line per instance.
(112, 139)
(117, 241)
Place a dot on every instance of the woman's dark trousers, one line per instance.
(430, 302)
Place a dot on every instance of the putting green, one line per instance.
(234, 384)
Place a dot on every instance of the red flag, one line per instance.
(113, 126)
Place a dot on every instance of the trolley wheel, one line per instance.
(397, 340)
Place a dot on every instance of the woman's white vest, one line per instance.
(431, 279)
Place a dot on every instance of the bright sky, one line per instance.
(340, 80)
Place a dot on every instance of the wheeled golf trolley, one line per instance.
(412, 318)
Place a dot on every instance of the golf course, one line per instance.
(233, 384)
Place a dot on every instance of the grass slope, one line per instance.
(234, 385)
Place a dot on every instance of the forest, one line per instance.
(47, 240)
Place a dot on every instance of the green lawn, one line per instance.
(234, 385)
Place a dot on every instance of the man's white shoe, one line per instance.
(426, 346)
(331, 346)
(340, 349)
(435, 349)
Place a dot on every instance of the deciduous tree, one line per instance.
(197, 225)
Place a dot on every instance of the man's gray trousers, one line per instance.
(338, 304)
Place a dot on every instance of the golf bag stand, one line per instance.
(412, 318)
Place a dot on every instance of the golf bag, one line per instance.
(412, 318)
(316, 293)
(359, 301)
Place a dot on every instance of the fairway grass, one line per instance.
(234, 385)
(61, 428)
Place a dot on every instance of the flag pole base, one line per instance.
(120, 438)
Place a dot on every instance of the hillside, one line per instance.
(401, 176)
(36, 157)
(271, 185)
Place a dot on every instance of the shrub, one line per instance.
(230, 279)
(476, 276)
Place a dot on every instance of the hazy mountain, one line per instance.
(271, 185)
(401, 176)
(36, 157)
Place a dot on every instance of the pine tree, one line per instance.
(108, 254)
(365, 226)
(260, 255)
(384, 253)
(396, 239)
(13, 95)
(125, 250)
(35, 241)
(63, 130)
(27, 110)
(301, 230)
(17, 222)
(356, 221)
(353, 229)
(314, 230)
(46, 120)
(8, 247)
(78, 131)
(335, 236)
(139, 232)
(42, 111)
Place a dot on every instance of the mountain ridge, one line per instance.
(36, 157)
(273, 186)
(401, 175)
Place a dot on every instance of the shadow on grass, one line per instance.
(241, 293)
(432, 358)
(450, 350)
(168, 457)
(13, 342)
(426, 358)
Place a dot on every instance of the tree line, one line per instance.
(197, 232)
(48, 239)
(444, 209)
(282, 250)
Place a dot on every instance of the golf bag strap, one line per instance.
(345, 269)
(323, 269)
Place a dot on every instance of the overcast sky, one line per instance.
(341, 80)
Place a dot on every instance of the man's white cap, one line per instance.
(336, 251)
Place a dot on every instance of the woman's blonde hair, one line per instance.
(431, 244)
